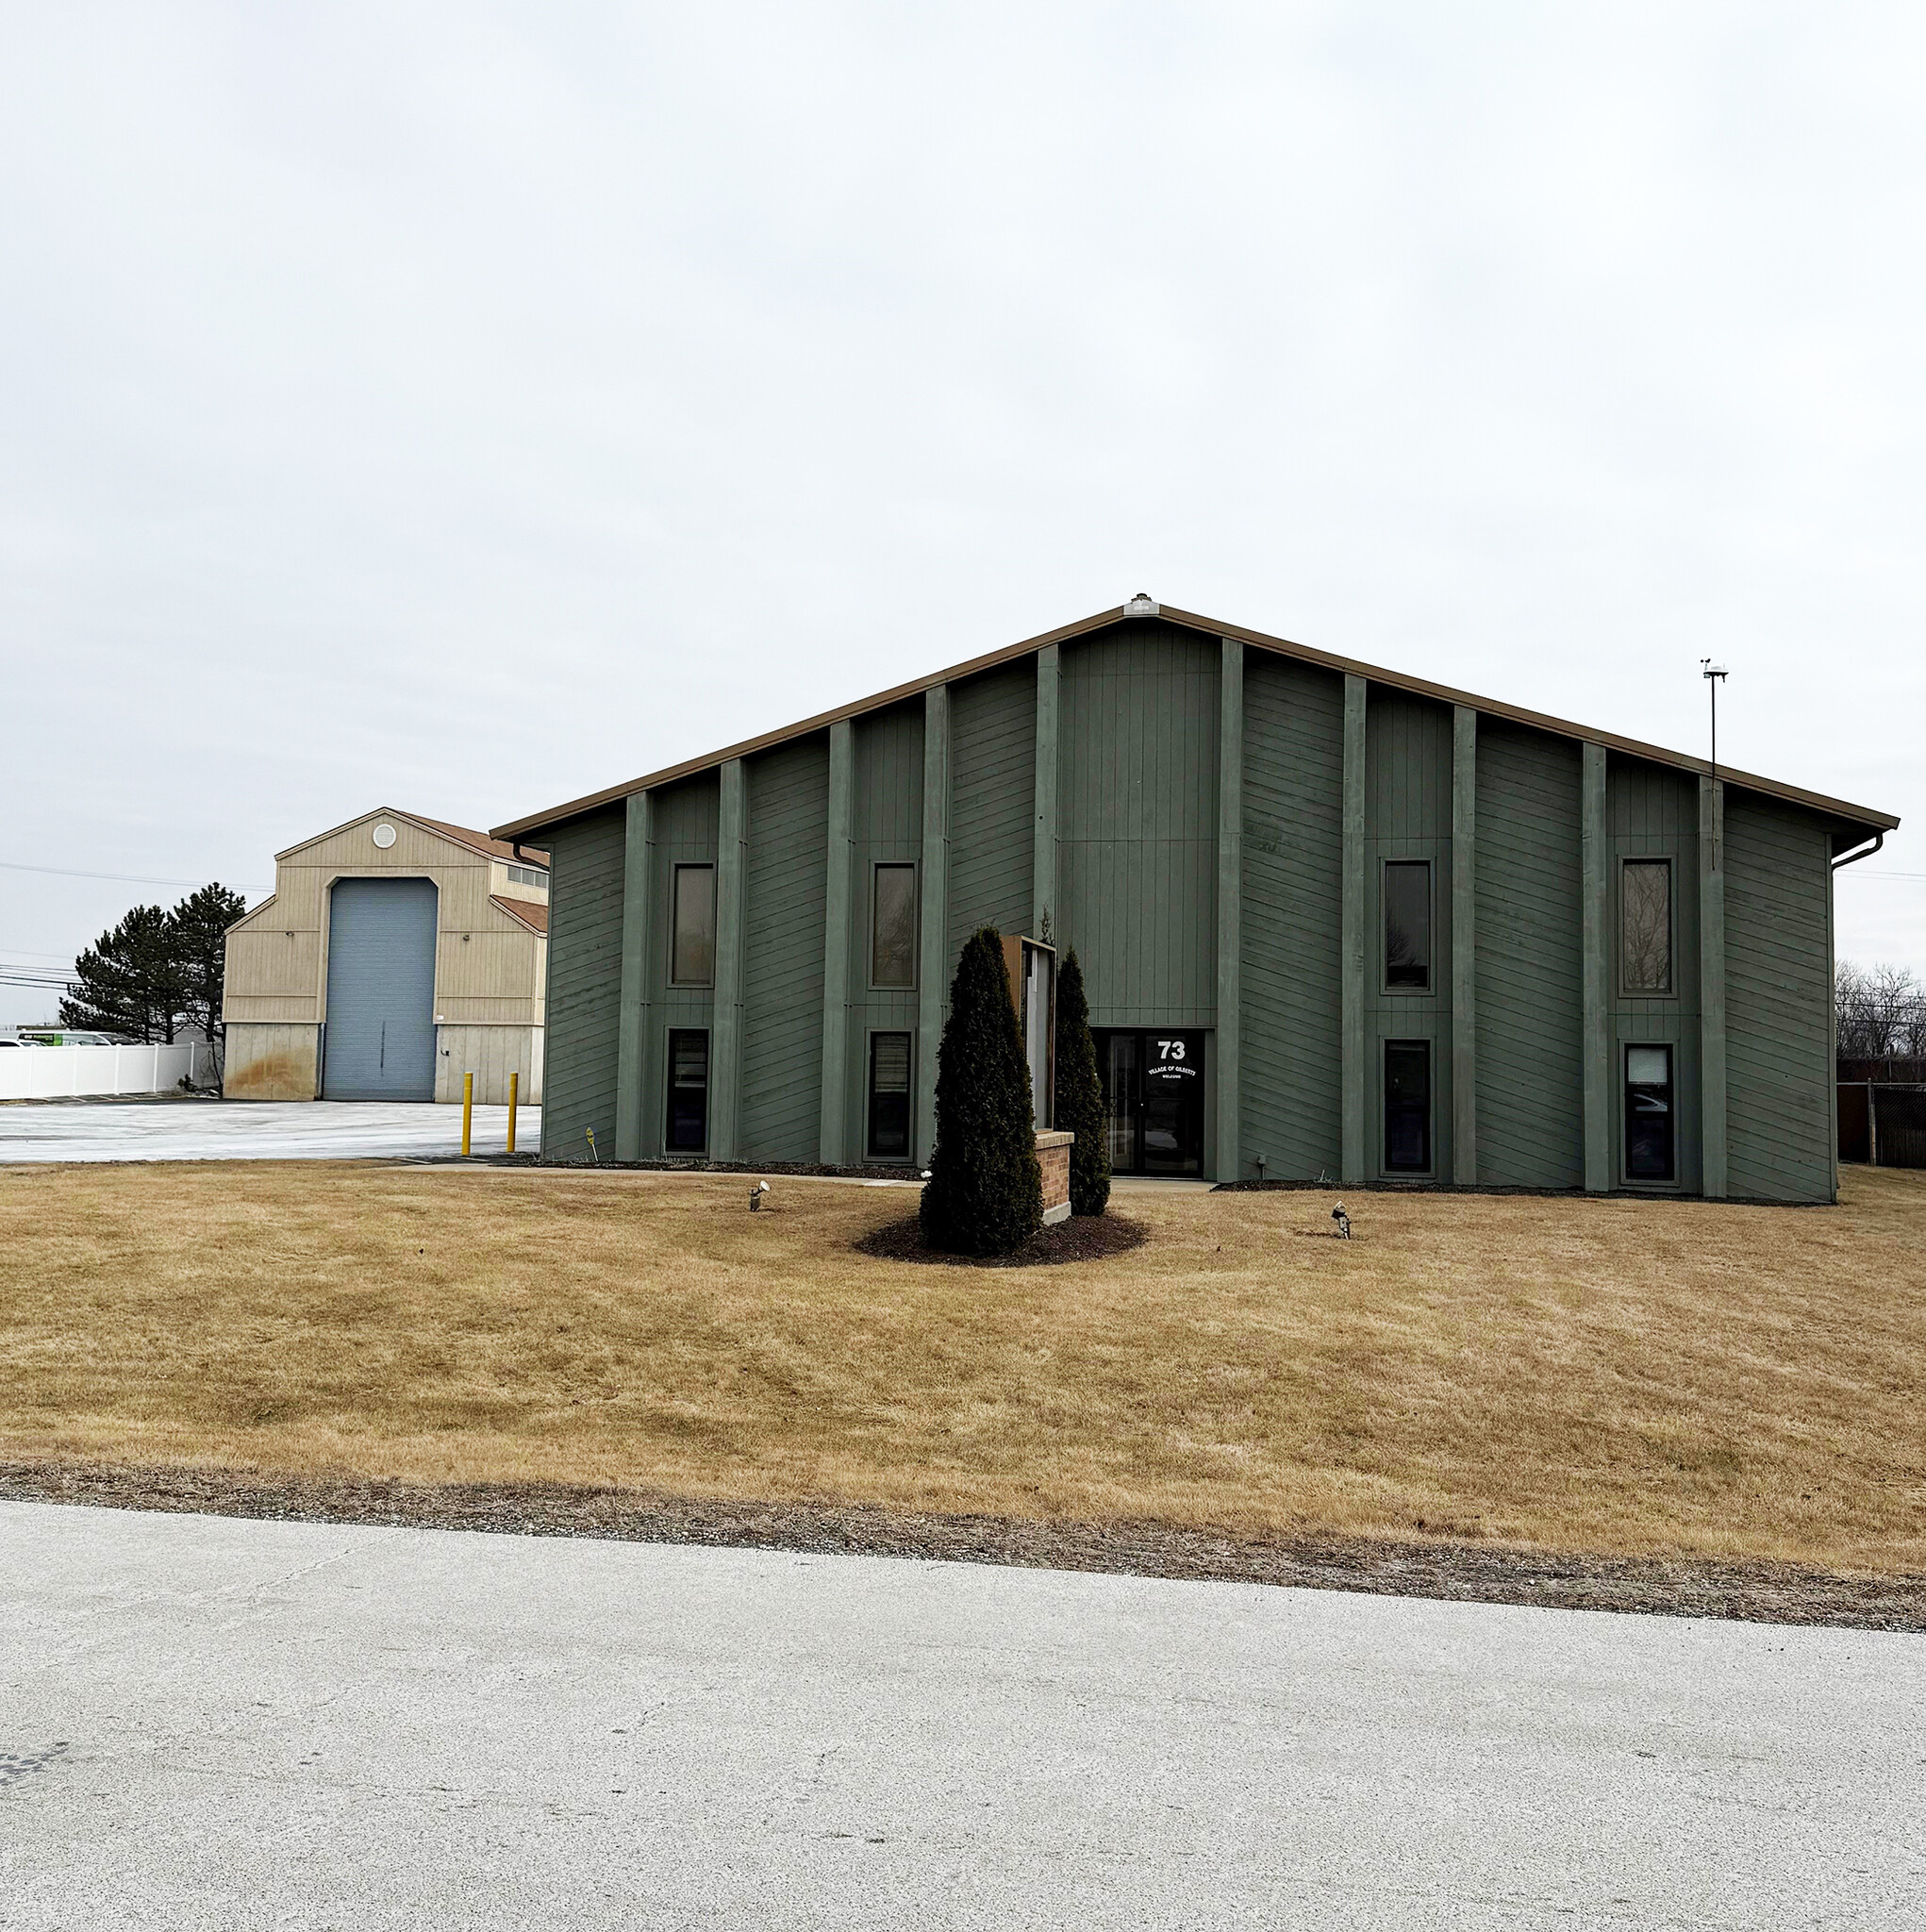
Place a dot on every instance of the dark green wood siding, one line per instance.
(888, 830)
(1293, 858)
(1531, 1006)
(1778, 1001)
(584, 985)
(992, 802)
(1651, 811)
(1136, 815)
(786, 876)
(1137, 861)
(1408, 816)
(687, 818)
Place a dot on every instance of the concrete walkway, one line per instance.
(253, 1130)
(224, 1725)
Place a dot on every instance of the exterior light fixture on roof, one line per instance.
(1142, 604)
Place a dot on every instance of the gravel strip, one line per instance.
(1748, 1592)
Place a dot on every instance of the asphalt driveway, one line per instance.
(253, 1130)
(234, 1725)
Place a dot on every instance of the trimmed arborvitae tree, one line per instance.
(1080, 1093)
(985, 1193)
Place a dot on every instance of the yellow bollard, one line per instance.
(467, 1110)
(513, 1080)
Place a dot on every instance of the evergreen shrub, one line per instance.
(985, 1193)
(1080, 1093)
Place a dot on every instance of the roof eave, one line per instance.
(1397, 680)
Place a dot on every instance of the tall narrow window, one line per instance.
(1407, 1107)
(1121, 1064)
(1649, 1113)
(889, 1096)
(1407, 925)
(892, 927)
(1644, 923)
(692, 944)
(688, 1091)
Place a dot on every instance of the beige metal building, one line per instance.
(396, 955)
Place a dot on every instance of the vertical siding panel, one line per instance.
(787, 892)
(992, 804)
(1138, 771)
(889, 821)
(1531, 1006)
(1651, 811)
(687, 817)
(1778, 888)
(1293, 890)
(587, 859)
(1408, 815)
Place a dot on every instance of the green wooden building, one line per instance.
(1334, 921)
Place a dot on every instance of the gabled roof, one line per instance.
(1188, 619)
(483, 842)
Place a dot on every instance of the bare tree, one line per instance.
(1881, 1009)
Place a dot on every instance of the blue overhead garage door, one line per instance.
(380, 1038)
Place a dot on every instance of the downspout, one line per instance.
(1872, 1122)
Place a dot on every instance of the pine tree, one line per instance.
(1080, 1093)
(985, 1193)
(199, 942)
(129, 981)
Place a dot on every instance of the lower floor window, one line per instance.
(1407, 1107)
(688, 1091)
(1649, 1113)
(889, 1096)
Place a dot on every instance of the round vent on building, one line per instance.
(384, 836)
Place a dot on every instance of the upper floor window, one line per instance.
(1645, 926)
(1407, 925)
(892, 927)
(692, 926)
(528, 876)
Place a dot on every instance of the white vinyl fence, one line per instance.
(58, 1073)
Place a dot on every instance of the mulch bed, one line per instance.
(1468, 1572)
(1081, 1238)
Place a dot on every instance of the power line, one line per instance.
(126, 878)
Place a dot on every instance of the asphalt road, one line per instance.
(220, 1724)
(253, 1130)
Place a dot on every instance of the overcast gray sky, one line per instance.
(460, 408)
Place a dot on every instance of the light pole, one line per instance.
(1713, 674)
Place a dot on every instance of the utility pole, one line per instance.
(1713, 674)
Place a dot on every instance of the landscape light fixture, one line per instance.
(755, 1194)
(1344, 1220)
(1260, 1170)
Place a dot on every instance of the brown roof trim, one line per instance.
(1396, 680)
(524, 911)
(483, 842)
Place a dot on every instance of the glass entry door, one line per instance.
(1152, 1100)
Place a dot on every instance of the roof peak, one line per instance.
(1189, 620)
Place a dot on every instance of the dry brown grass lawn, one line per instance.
(1619, 1376)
